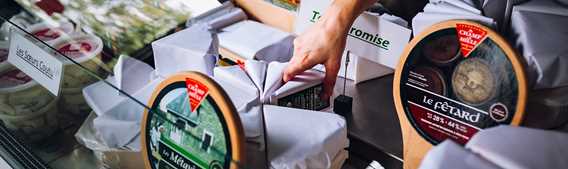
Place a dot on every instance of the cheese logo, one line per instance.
(469, 36)
(197, 92)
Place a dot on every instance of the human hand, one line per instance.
(324, 42)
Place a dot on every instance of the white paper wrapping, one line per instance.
(192, 49)
(253, 40)
(118, 117)
(324, 139)
(233, 16)
(538, 31)
(302, 139)
(244, 96)
(131, 74)
(519, 147)
(442, 10)
(451, 155)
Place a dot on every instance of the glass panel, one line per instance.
(66, 131)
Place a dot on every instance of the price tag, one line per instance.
(35, 62)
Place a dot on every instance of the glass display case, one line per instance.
(43, 127)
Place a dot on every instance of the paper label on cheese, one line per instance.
(469, 36)
(197, 92)
(463, 96)
(176, 134)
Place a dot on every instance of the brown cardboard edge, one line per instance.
(267, 13)
(234, 125)
(414, 146)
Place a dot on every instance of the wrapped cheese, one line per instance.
(192, 49)
(302, 138)
(253, 40)
(442, 10)
(449, 154)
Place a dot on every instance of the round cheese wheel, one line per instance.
(453, 80)
(191, 124)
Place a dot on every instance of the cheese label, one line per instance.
(197, 93)
(191, 125)
(469, 36)
(457, 99)
(308, 99)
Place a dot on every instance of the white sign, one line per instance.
(371, 37)
(35, 62)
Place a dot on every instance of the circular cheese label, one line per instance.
(192, 124)
(458, 78)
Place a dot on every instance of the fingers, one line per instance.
(331, 71)
(297, 65)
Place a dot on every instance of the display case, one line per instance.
(63, 127)
(43, 127)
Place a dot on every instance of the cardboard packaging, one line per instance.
(372, 38)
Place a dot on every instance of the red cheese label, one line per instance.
(197, 92)
(469, 36)
(76, 49)
(48, 34)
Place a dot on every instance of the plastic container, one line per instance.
(72, 101)
(85, 50)
(49, 33)
(33, 125)
(19, 94)
(4, 48)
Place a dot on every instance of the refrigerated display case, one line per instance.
(42, 129)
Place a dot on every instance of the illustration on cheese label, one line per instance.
(448, 93)
(185, 133)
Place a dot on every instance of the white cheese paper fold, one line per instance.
(192, 49)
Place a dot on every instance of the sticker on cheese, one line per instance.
(191, 124)
(469, 36)
(448, 94)
(196, 91)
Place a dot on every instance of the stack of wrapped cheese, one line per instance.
(295, 138)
